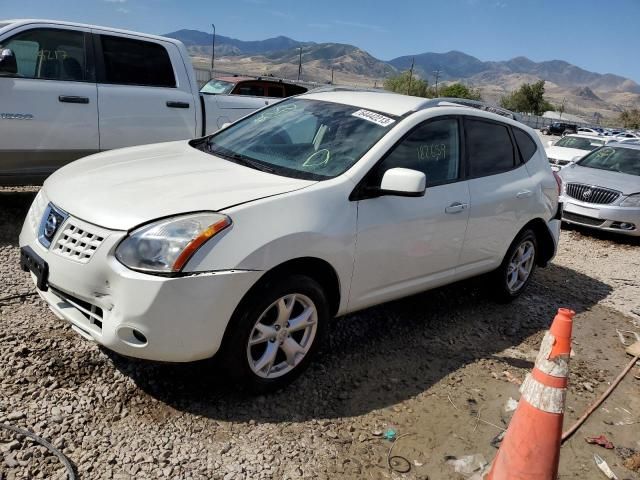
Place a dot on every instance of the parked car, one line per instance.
(589, 131)
(256, 87)
(68, 90)
(623, 135)
(571, 148)
(602, 190)
(559, 128)
(243, 243)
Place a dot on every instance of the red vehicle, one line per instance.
(255, 87)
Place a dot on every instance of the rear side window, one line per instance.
(49, 54)
(526, 145)
(489, 147)
(250, 89)
(135, 62)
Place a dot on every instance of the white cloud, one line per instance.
(116, 1)
(286, 15)
(122, 10)
(375, 28)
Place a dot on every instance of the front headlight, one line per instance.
(631, 201)
(167, 245)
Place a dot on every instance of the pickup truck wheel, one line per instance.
(545, 131)
(275, 333)
(516, 270)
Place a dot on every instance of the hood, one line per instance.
(564, 153)
(123, 188)
(623, 182)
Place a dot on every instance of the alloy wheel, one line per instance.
(282, 336)
(520, 266)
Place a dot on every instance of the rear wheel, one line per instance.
(517, 268)
(275, 333)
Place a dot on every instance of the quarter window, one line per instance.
(489, 148)
(432, 148)
(134, 62)
(50, 54)
(526, 145)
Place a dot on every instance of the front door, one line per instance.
(48, 108)
(409, 244)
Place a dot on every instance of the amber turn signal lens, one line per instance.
(197, 242)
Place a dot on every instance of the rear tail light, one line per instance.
(558, 182)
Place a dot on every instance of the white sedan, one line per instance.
(571, 148)
(246, 242)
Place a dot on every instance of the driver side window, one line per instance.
(47, 53)
(432, 148)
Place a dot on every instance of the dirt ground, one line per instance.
(431, 367)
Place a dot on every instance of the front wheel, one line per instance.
(517, 268)
(275, 333)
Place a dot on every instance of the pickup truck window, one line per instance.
(249, 89)
(300, 138)
(49, 54)
(136, 62)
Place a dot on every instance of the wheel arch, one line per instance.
(546, 244)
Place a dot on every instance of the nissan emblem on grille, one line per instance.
(51, 221)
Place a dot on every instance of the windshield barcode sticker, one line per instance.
(373, 117)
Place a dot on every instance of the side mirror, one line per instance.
(403, 182)
(550, 143)
(8, 63)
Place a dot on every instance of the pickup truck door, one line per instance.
(144, 92)
(221, 109)
(48, 108)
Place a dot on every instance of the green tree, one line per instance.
(529, 98)
(408, 84)
(458, 90)
(630, 118)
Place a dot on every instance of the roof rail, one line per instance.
(463, 102)
(345, 88)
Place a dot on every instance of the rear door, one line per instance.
(501, 193)
(144, 93)
(48, 109)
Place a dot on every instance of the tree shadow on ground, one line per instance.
(380, 356)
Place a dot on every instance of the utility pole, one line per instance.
(413, 59)
(332, 68)
(213, 50)
(300, 64)
(437, 74)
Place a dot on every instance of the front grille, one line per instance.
(590, 194)
(78, 242)
(574, 217)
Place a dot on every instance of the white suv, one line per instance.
(246, 242)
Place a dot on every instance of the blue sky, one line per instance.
(601, 36)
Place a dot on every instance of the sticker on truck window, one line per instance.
(373, 117)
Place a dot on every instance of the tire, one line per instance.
(508, 284)
(274, 342)
(545, 132)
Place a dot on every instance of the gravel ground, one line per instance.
(430, 366)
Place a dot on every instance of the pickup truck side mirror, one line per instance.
(8, 63)
(403, 182)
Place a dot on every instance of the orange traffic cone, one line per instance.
(530, 449)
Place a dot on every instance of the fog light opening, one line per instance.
(624, 226)
(132, 337)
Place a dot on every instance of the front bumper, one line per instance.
(173, 319)
(611, 218)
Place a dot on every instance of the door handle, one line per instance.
(172, 104)
(72, 99)
(524, 194)
(456, 207)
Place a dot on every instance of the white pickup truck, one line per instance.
(68, 90)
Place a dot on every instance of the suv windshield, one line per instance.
(614, 159)
(579, 143)
(301, 138)
(217, 86)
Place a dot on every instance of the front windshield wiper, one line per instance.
(241, 159)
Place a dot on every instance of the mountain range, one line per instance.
(585, 92)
